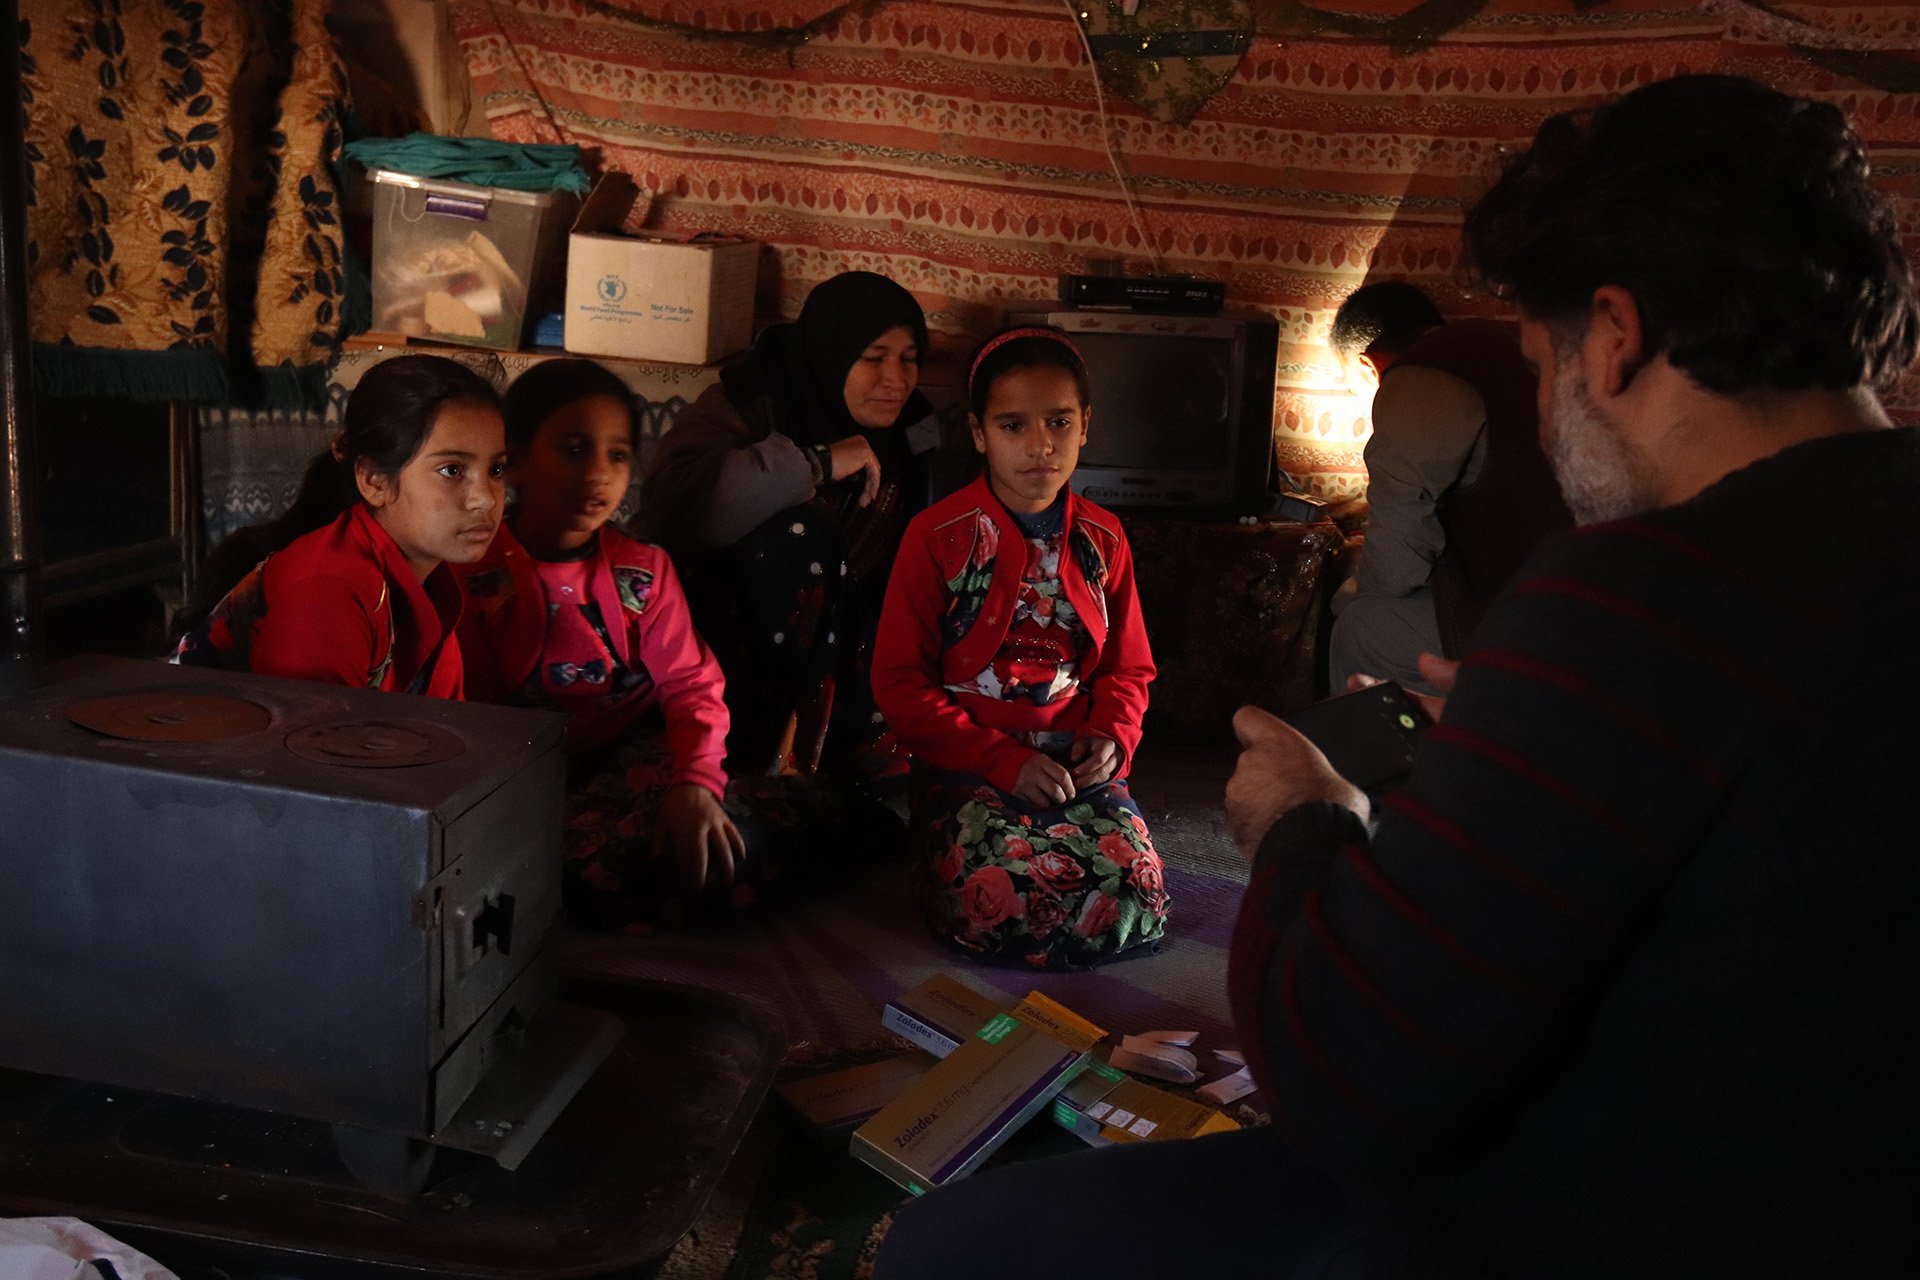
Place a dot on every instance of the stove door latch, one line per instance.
(492, 927)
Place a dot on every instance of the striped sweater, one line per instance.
(1627, 980)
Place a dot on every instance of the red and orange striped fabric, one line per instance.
(958, 148)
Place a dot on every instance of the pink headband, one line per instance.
(1011, 335)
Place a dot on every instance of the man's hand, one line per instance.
(853, 456)
(1440, 673)
(1437, 671)
(693, 830)
(1043, 781)
(1096, 758)
(1278, 770)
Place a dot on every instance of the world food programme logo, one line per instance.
(612, 288)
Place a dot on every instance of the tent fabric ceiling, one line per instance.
(959, 149)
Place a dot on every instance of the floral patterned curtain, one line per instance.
(967, 151)
(184, 230)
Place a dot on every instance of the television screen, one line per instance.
(1182, 409)
(1160, 402)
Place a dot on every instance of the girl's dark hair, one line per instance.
(1023, 346)
(389, 416)
(552, 385)
(1744, 222)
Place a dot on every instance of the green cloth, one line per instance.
(520, 166)
(185, 375)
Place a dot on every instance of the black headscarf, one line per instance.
(801, 368)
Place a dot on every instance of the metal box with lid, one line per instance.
(329, 902)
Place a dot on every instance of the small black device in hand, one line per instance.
(1368, 736)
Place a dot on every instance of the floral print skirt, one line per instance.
(800, 833)
(1065, 887)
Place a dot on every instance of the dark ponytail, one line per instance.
(389, 416)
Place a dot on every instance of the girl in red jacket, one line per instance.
(350, 586)
(1012, 662)
(567, 612)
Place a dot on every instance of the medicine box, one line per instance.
(949, 1121)
(463, 263)
(1104, 1105)
(843, 1098)
(654, 297)
(939, 1014)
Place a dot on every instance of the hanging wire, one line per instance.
(1106, 134)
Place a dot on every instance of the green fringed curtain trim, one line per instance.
(193, 377)
(286, 386)
(186, 377)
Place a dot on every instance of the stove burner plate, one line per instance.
(159, 715)
(376, 744)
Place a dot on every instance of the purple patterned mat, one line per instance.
(828, 964)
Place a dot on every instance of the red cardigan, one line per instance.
(342, 605)
(971, 733)
(505, 629)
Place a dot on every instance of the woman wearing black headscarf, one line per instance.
(782, 494)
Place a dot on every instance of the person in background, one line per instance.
(351, 585)
(1624, 982)
(1458, 492)
(567, 612)
(1013, 664)
(782, 494)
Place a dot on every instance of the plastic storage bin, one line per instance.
(462, 263)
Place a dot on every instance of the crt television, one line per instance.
(1182, 409)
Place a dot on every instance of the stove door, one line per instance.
(498, 897)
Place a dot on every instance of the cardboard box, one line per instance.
(939, 1014)
(841, 1099)
(948, 1122)
(1104, 1105)
(654, 297)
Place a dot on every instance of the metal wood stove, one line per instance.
(275, 894)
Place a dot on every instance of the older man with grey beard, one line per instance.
(1623, 982)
